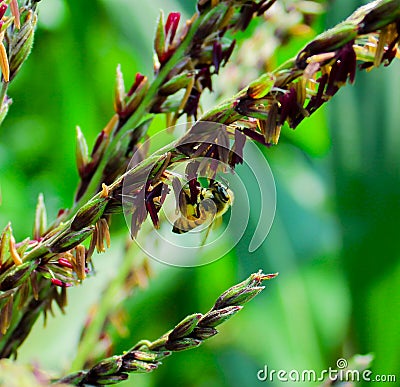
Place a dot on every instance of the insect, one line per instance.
(211, 203)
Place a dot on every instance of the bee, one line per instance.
(210, 204)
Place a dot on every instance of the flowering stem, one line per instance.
(139, 113)
(145, 356)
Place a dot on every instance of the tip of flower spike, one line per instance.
(260, 276)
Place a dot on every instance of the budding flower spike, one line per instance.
(145, 356)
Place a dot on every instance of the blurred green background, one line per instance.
(335, 238)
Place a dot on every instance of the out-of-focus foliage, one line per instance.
(334, 239)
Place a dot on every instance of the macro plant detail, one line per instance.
(17, 26)
(120, 174)
(145, 356)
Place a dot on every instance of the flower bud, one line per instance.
(16, 275)
(40, 218)
(159, 41)
(185, 327)
(70, 239)
(138, 366)
(107, 366)
(379, 16)
(211, 22)
(89, 214)
(141, 355)
(183, 344)
(261, 86)
(203, 333)
(82, 153)
(328, 41)
(217, 317)
(140, 89)
(73, 379)
(119, 99)
(111, 379)
(176, 83)
(21, 42)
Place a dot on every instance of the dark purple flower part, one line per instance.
(139, 212)
(214, 167)
(318, 100)
(223, 146)
(164, 192)
(365, 65)
(152, 210)
(376, 18)
(246, 14)
(202, 5)
(236, 154)
(391, 51)
(100, 138)
(191, 175)
(153, 203)
(192, 103)
(177, 188)
(204, 77)
(344, 68)
(201, 150)
(228, 52)
(250, 107)
(217, 56)
(255, 136)
(289, 106)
